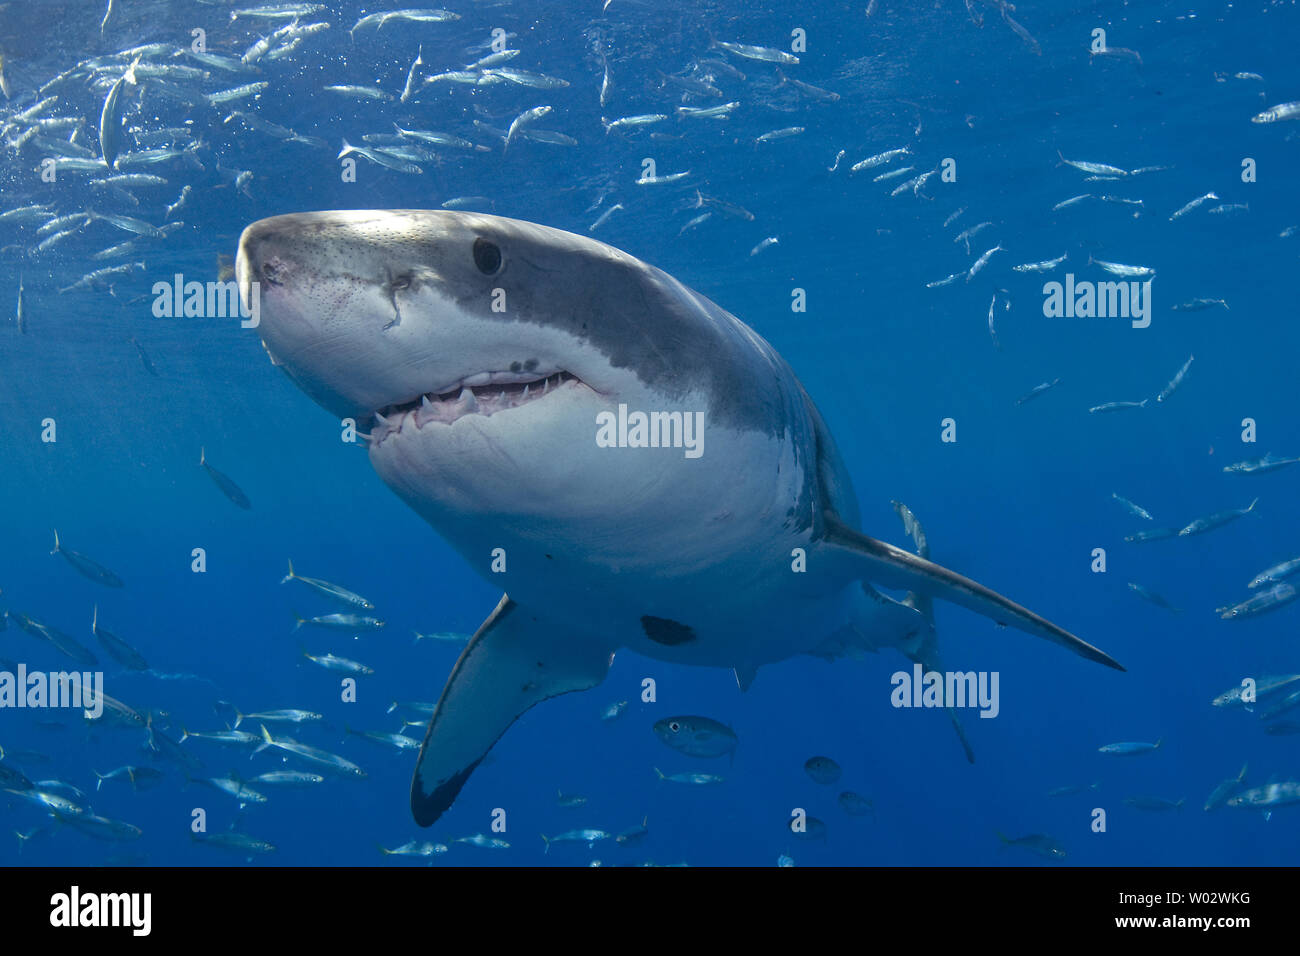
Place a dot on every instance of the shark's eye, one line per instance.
(674, 726)
(487, 257)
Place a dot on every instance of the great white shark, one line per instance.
(482, 354)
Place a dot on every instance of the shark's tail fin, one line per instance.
(290, 576)
(57, 549)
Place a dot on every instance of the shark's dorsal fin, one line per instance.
(511, 663)
(884, 564)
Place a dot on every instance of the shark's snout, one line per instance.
(377, 314)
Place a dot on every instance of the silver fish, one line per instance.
(1116, 407)
(644, 119)
(1192, 205)
(1175, 381)
(237, 93)
(779, 134)
(1047, 265)
(486, 842)
(335, 591)
(1259, 465)
(1282, 111)
(879, 159)
(1148, 595)
(1120, 269)
(382, 159)
(604, 217)
(1132, 508)
(411, 16)
(689, 778)
(1036, 390)
(537, 81)
(764, 54)
(696, 736)
(360, 92)
(1217, 520)
(85, 566)
(982, 261)
(707, 112)
(1072, 201)
(1260, 602)
(1097, 169)
(340, 664)
(588, 836)
(1277, 572)
(321, 758)
(1128, 749)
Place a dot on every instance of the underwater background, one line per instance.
(1019, 501)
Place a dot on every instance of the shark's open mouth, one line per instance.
(485, 393)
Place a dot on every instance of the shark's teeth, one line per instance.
(503, 392)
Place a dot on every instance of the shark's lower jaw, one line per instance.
(485, 393)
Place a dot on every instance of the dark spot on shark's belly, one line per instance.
(661, 630)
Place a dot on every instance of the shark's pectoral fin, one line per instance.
(893, 567)
(511, 663)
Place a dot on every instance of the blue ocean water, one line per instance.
(1020, 501)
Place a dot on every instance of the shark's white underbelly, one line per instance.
(700, 561)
